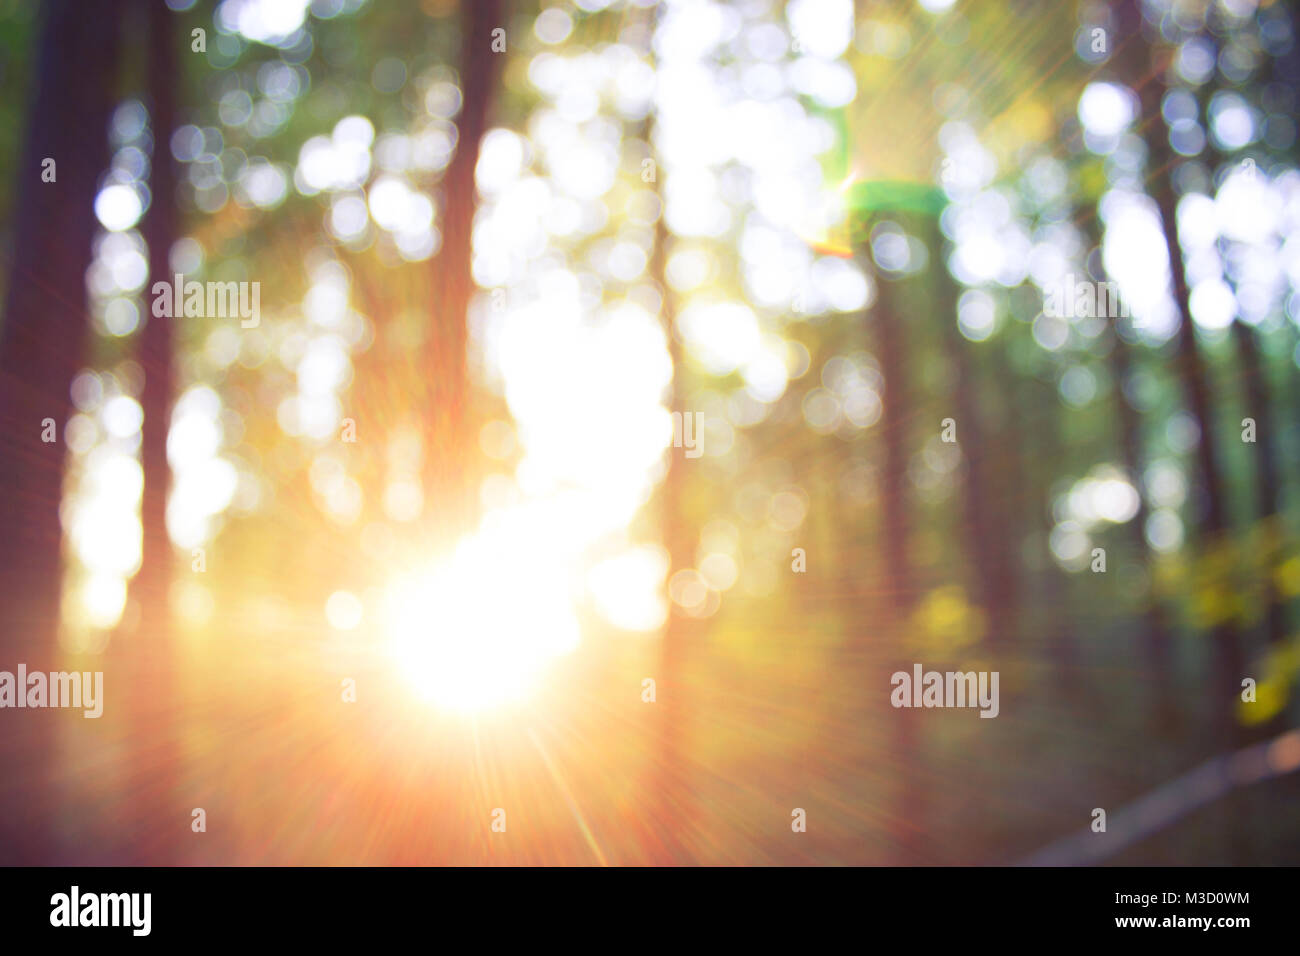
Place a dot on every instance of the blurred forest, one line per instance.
(633, 387)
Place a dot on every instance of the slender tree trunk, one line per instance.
(1274, 483)
(1156, 643)
(1265, 537)
(672, 779)
(1270, 479)
(449, 477)
(152, 584)
(1268, 491)
(149, 651)
(41, 350)
(990, 523)
(1266, 461)
(891, 350)
(1044, 453)
(1227, 660)
(1005, 504)
(1227, 657)
(903, 747)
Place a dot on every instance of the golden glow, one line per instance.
(475, 631)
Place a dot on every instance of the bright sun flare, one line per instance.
(475, 631)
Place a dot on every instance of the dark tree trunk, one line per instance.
(1268, 493)
(41, 350)
(903, 754)
(1268, 501)
(150, 587)
(1269, 477)
(891, 350)
(1265, 460)
(1045, 455)
(148, 653)
(990, 521)
(448, 473)
(1156, 640)
(1227, 659)
(1157, 643)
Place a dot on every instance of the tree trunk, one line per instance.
(448, 474)
(1227, 657)
(672, 781)
(991, 525)
(41, 350)
(150, 648)
(902, 749)
(1266, 460)
(150, 587)
(1156, 644)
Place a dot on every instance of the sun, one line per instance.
(476, 631)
